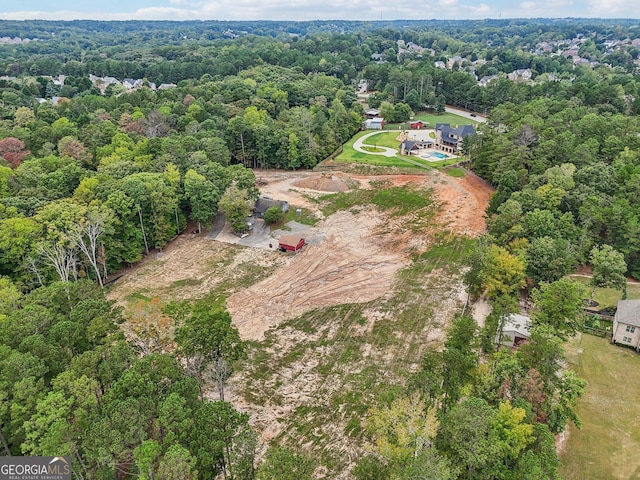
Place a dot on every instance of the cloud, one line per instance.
(339, 10)
(613, 8)
(272, 10)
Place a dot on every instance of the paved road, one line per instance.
(465, 114)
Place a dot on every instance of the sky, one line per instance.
(312, 9)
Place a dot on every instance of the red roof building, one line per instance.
(290, 243)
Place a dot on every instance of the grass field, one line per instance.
(608, 297)
(385, 139)
(607, 445)
(382, 139)
(432, 118)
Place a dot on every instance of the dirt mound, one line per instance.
(350, 266)
(323, 184)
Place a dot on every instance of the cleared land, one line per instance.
(342, 324)
(607, 445)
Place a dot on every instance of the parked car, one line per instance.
(473, 115)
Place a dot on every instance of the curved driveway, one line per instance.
(387, 152)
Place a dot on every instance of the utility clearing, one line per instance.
(343, 323)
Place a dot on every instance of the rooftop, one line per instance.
(628, 312)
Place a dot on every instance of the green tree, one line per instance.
(273, 215)
(607, 269)
(403, 429)
(459, 359)
(559, 305)
(282, 463)
(202, 196)
(467, 436)
(235, 204)
(177, 464)
(217, 428)
(208, 341)
(504, 272)
(549, 259)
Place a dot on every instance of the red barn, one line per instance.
(417, 125)
(291, 243)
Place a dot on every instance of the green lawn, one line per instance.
(384, 139)
(608, 297)
(607, 445)
(454, 172)
(449, 118)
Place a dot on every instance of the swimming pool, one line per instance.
(434, 156)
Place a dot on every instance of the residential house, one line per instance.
(626, 324)
(520, 75)
(374, 123)
(414, 147)
(450, 139)
(515, 330)
(456, 60)
(440, 64)
(264, 203)
(372, 113)
(132, 84)
(484, 81)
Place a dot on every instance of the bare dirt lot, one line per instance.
(350, 266)
(336, 325)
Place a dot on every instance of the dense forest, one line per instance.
(95, 174)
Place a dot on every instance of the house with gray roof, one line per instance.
(264, 203)
(515, 330)
(450, 139)
(626, 324)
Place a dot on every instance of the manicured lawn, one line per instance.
(449, 118)
(607, 445)
(382, 139)
(608, 297)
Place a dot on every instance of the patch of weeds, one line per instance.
(351, 353)
(187, 282)
(399, 201)
(244, 275)
(215, 299)
(388, 393)
(454, 172)
(293, 355)
(382, 332)
(453, 249)
(345, 200)
(353, 428)
(306, 217)
(137, 296)
(403, 200)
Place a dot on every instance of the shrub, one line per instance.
(273, 215)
